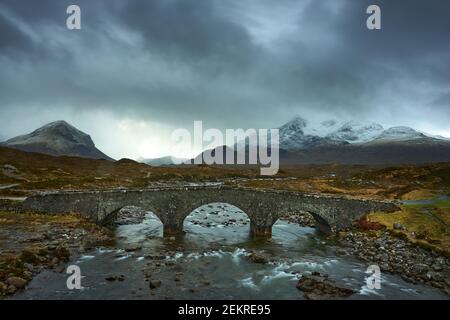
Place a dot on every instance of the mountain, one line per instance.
(356, 143)
(356, 132)
(163, 161)
(294, 137)
(58, 139)
(297, 133)
(401, 134)
(370, 143)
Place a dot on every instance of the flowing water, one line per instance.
(427, 201)
(211, 261)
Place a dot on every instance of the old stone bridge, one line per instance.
(173, 205)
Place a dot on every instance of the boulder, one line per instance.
(62, 253)
(3, 287)
(17, 282)
(155, 284)
(29, 256)
(318, 287)
(259, 257)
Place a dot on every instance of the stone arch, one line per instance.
(308, 219)
(193, 209)
(321, 223)
(112, 216)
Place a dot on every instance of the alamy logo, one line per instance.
(374, 280)
(374, 20)
(73, 21)
(241, 146)
(74, 280)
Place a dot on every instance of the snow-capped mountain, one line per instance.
(295, 135)
(332, 142)
(356, 132)
(298, 134)
(400, 134)
(361, 143)
(58, 139)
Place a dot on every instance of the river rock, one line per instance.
(178, 276)
(110, 278)
(341, 252)
(420, 268)
(54, 262)
(62, 253)
(115, 277)
(398, 226)
(437, 266)
(258, 257)
(17, 282)
(3, 287)
(319, 287)
(29, 256)
(11, 289)
(155, 284)
(435, 276)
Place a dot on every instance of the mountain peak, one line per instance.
(57, 123)
(298, 120)
(356, 132)
(58, 138)
(297, 124)
(296, 135)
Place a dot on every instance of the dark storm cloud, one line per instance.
(226, 62)
(10, 36)
(342, 65)
(193, 31)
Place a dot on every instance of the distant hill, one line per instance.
(162, 161)
(57, 138)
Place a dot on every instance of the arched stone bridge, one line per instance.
(173, 205)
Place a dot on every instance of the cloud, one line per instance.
(227, 62)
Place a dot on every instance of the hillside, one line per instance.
(57, 138)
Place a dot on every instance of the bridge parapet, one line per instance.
(173, 205)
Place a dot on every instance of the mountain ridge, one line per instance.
(353, 132)
(355, 143)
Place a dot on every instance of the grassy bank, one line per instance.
(424, 224)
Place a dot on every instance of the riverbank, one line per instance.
(31, 243)
(398, 256)
(393, 251)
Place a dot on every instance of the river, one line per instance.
(211, 261)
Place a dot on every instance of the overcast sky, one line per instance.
(139, 69)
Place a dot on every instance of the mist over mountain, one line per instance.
(57, 138)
